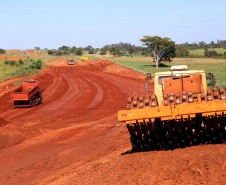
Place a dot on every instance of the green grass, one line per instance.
(6, 70)
(17, 55)
(146, 64)
(201, 51)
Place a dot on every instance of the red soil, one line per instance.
(75, 138)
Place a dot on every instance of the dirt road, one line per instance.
(75, 138)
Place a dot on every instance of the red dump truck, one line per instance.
(28, 94)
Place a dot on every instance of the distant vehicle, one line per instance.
(70, 62)
(28, 94)
(84, 58)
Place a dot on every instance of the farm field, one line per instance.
(201, 51)
(145, 64)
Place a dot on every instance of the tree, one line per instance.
(50, 52)
(2, 51)
(210, 53)
(113, 50)
(131, 50)
(116, 51)
(37, 49)
(21, 62)
(91, 51)
(36, 64)
(102, 53)
(64, 48)
(182, 51)
(161, 48)
(88, 48)
(73, 49)
(12, 62)
(59, 52)
(79, 51)
(103, 50)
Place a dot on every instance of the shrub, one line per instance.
(211, 53)
(102, 53)
(2, 51)
(21, 62)
(196, 56)
(50, 52)
(59, 52)
(6, 62)
(38, 64)
(79, 51)
(91, 51)
(12, 62)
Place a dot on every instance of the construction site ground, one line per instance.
(75, 137)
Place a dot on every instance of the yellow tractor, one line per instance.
(84, 58)
(180, 112)
(70, 61)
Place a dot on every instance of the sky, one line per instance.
(25, 24)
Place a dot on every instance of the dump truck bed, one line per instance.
(25, 91)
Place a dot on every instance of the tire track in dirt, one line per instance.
(75, 138)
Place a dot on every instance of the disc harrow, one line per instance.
(180, 130)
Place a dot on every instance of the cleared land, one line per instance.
(75, 138)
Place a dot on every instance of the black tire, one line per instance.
(33, 103)
(30, 103)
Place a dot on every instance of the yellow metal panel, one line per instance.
(175, 111)
(137, 114)
(199, 108)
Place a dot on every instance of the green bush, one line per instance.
(6, 62)
(2, 51)
(102, 53)
(50, 52)
(12, 62)
(23, 71)
(91, 51)
(196, 56)
(21, 62)
(79, 51)
(36, 64)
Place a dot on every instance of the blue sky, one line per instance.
(53, 23)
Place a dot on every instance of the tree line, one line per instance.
(161, 49)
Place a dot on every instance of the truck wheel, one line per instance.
(31, 103)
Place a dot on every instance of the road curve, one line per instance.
(75, 138)
(79, 117)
